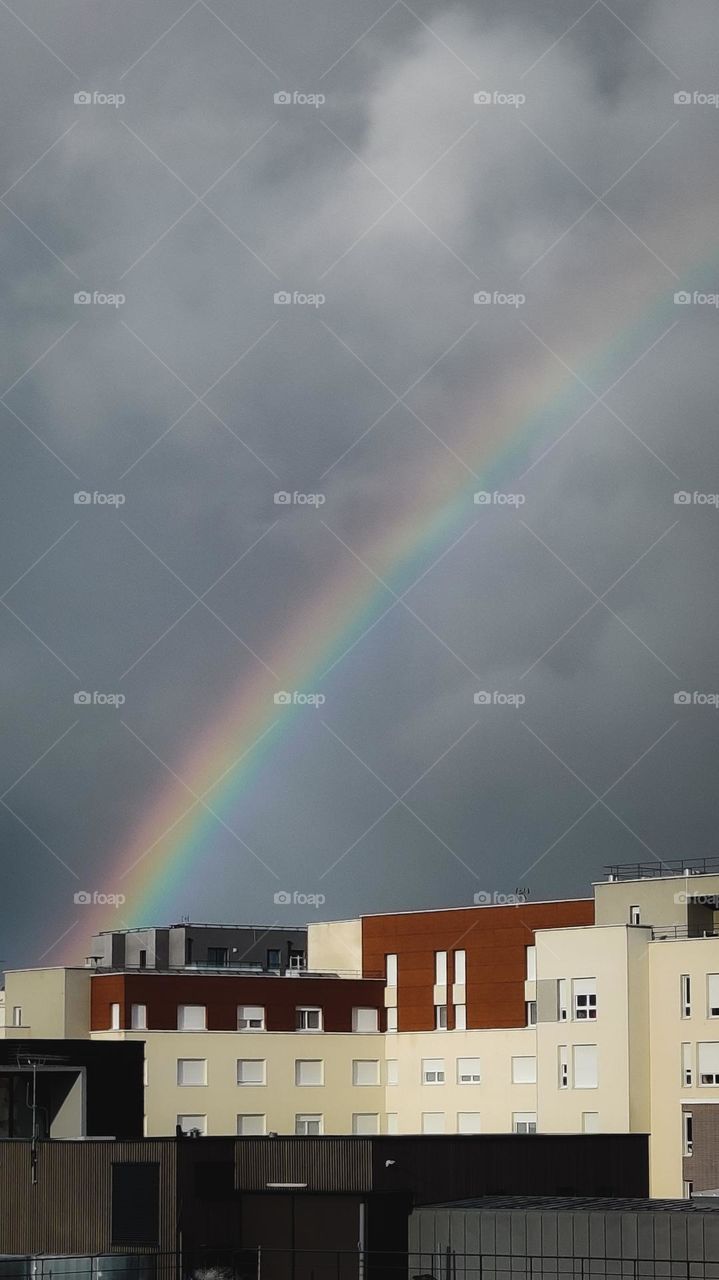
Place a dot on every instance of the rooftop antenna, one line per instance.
(31, 1061)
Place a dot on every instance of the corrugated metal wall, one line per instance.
(325, 1164)
(640, 1241)
(68, 1210)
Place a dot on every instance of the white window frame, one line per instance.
(635, 915)
(440, 968)
(433, 1071)
(138, 1017)
(580, 1064)
(588, 1125)
(584, 1002)
(713, 995)
(17, 1015)
(358, 1116)
(252, 1115)
(685, 983)
(392, 1071)
(530, 1010)
(707, 1079)
(304, 1119)
(301, 1015)
(249, 1014)
(114, 1016)
(391, 1015)
(687, 1066)
(462, 1119)
(252, 1084)
(359, 1015)
(202, 1126)
(441, 1119)
(524, 1122)
(460, 1017)
(181, 1012)
(530, 968)
(301, 1063)
(358, 1065)
(473, 1072)
(460, 968)
(390, 968)
(687, 1133)
(527, 1073)
(192, 1084)
(562, 1066)
(440, 1017)
(562, 1000)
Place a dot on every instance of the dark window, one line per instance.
(217, 957)
(135, 1204)
(273, 958)
(143, 959)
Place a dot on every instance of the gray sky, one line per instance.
(582, 186)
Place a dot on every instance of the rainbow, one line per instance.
(171, 839)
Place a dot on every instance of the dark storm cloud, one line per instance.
(197, 398)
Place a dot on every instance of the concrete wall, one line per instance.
(55, 1003)
(662, 901)
(335, 945)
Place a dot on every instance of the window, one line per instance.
(524, 1070)
(138, 1017)
(562, 1066)
(391, 1019)
(562, 1008)
(433, 1122)
(708, 1062)
(135, 1200)
(531, 964)
(250, 1017)
(297, 960)
(114, 1017)
(688, 1190)
(713, 995)
(460, 1017)
(392, 1071)
(365, 1071)
(390, 968)
(584, 1066)
(687, 1075)
(440, 968)
(524, 1122)
(309, 1071)
(192, 1071)
(433, 1071)
(363, 1122)
(309, 1019)
(191, 1017)
(635, 917)
(460, 967)
(308, 1126)
(688, 1127)
(584, 999)
(530, 1010)
(274, 958)
(468, 1071)
(251, 1071)
(392, 1122)
(142, 960)
(17, 1016)
(250, 1126)
(217, 957)
(468, 1122)
(440, 1017)
(590, 1122)
(193, 1124)
(365, 1020)
(686, 989)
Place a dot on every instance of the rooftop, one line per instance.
(664, 869)
(578, 1204)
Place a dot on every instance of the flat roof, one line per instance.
(576, 1204)
(192, 924)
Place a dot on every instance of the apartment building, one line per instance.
(588, 1016)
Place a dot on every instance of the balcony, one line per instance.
(657, 870)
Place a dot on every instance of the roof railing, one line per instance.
(662, 867)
